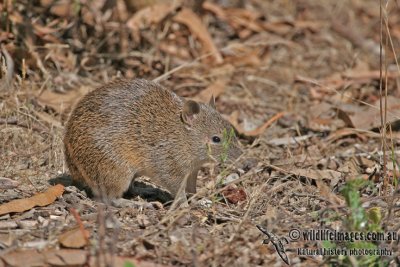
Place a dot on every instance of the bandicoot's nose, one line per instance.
(235, 152)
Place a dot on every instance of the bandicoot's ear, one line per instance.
(190, 110)
(211, 103)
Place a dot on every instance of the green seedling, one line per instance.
(129, 264)
(358, 220)
(227, 138)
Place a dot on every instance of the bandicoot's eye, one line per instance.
(216, 139)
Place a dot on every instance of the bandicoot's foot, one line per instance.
(180, 201)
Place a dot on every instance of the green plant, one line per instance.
(358, 220)
(227, 137)
(76, 7)
(129, 264)
(395, 166)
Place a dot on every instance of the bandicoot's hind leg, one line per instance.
(107, 180)
(112, 181)
(78, 175)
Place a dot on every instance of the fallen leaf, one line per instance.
(151, 15)
(65, 257)
(43, 30)
(351, 169)
(174, 50)
(326, 192)
(278, 27)
(344, 117)
(238, 17)
(85, 234)
(215, 89)
(330, 86)
(242, 56)
(313, 26)
(23, 258)
(193, 22)
(369, 75)
(251, 59)
(367, 117)
(349, 32)
(74, 238)
(7, 239)
(233, 119)
(62, 8)
(224, 71)
(41, 199)
(291, 140)
(346, 132)
(244, 21)
(234, 194)
(214, 8)
(7, 183)
(53, 257)
(134, 5)
(259, 130)
(317, 174)
(366, 163)
(326, 117)
(62, 102)
(46, 3)
(295, 160)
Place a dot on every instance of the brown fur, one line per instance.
(130, 128)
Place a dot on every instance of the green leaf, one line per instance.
(375, 215)
(129, 264)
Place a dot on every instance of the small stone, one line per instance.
(38, 244)
(5, 217)
(205, 203)
(41, 219)
(7, 183)
(55, 218)
(27, 224)
(230, 178)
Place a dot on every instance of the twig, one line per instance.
(258, 131)
(382, 116)
(78, 220)
(13, 121)
(167, 74)
(102, 258)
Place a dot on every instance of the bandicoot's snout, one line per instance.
(234, 153)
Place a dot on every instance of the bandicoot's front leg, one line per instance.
(191, 182)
